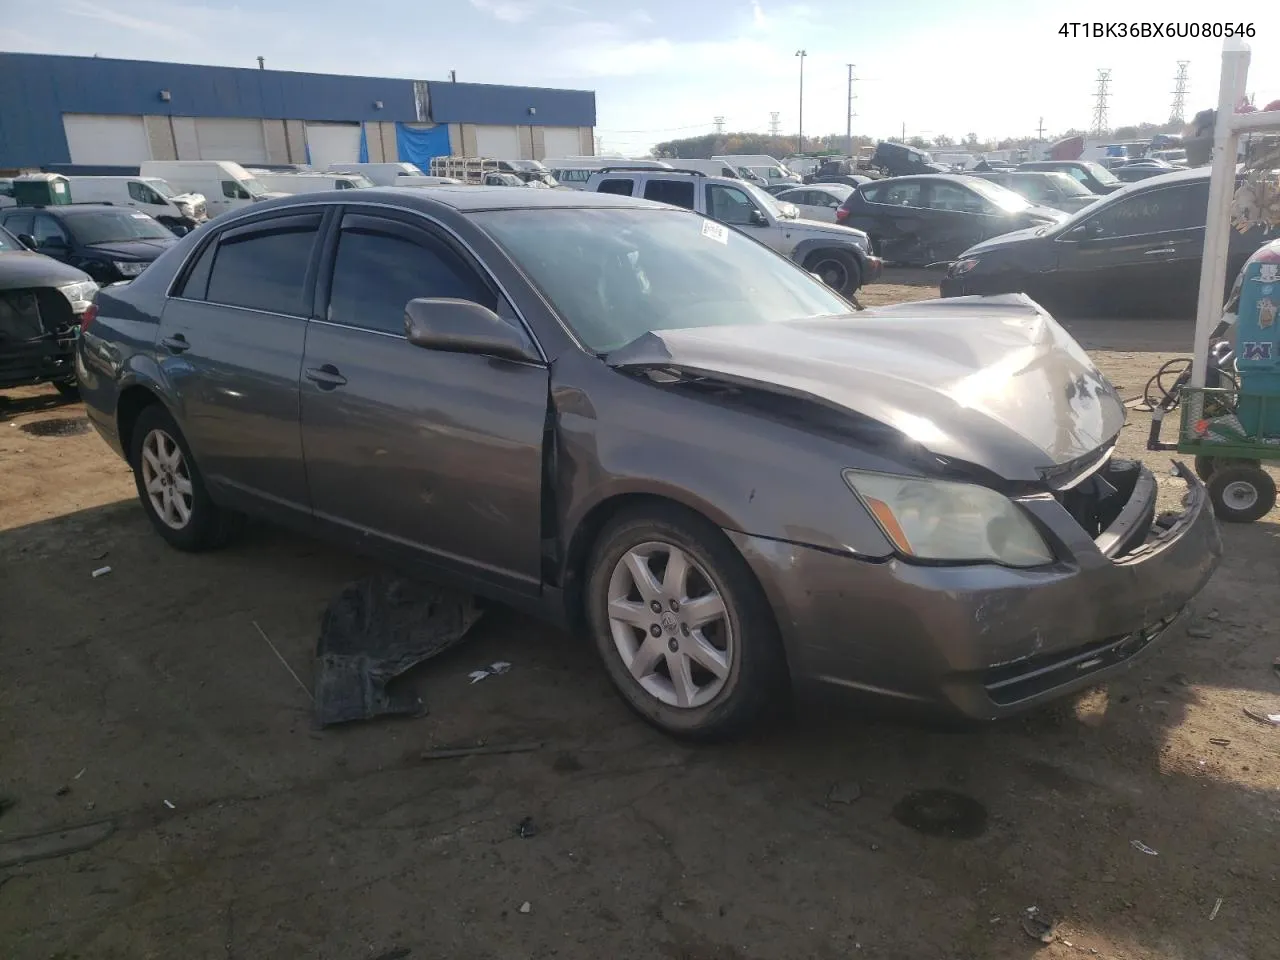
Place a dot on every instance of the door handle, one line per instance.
(1152, 253)
(175, 344)
(326, 377)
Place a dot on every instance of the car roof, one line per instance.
(464, 199)
(70, 209)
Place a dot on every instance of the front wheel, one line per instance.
(1241, 494)
(170, 486)
(838, 269)
(681, 624)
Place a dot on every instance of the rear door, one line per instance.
(230, 345)
(679, 193)
(1139, 254)
(896, 218)
(959, 218)
(435, 456)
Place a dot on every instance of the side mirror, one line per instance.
(27, 240)
(462, 326)
(758, 219)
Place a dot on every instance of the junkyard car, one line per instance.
(619, 413)
(933, 218)
(109, 243)
(41, 302)
(1048, 188)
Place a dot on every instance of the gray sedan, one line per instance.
(625, 416)
(818, 201)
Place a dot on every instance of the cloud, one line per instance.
(758, 18)
(508, 11)
(147, 25)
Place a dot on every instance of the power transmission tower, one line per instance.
(848, 124)
(1178, 112)
(1100, 108)
(775, 125)
(719, 126)
(1040, 130)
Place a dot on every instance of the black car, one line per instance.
(1093, 175)
(899, 160)
(1141, 170)
(1136, 251)
(109, 243)
(41, 302)
(1045, 187)
(936, 217)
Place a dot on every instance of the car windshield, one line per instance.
(616, 274)
(409, 170)
(110, 226)
(1101, 173)
(1069, 185)
(1002, 197)
(160, 187)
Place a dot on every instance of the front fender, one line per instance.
(813, 244)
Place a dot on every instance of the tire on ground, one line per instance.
(852, 269)
(1241, 494)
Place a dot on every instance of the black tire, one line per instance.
(1205, 466)
(1241, 494)
(838, 269)
(208, 525)
(68, 389)
(757, 675)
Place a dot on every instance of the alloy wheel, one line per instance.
(670, 624)
(167, 479)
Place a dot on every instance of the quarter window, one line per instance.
(265, 269)
(376, 273)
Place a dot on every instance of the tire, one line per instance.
(68, 389)
(156, 440)
(1241, 494)
(1205, 465)
(838, 269)
(669, 683)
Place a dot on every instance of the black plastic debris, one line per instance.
(526, 828)
(375, 630)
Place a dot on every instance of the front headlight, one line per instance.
(961, 267)
(80, 294)
(940, 520)
(129, 268)
(185, 208)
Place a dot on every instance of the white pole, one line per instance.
(1222, 187)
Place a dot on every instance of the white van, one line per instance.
(760, 168)
(303, 182)
(574, 172)
(387, 174)
(225, 184)
(179, 212)
(712, 168)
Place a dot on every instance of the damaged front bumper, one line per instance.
(987, 641)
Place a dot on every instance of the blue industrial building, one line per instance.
(96, 111)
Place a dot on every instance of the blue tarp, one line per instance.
(364, 145)
(418, 146)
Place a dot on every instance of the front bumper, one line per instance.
(43, 360)
(874, 269)
(986, 641)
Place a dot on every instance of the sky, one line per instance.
(663, 69)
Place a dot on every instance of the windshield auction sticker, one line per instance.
(716, 231)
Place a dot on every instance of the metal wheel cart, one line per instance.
(1232, 431)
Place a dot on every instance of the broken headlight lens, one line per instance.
(940, 520)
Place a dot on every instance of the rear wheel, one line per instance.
(170, 486)
(1241, 494)
(682, 626)
(838, 269)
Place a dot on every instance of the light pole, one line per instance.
(800, 134)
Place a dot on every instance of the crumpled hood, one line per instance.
(993, 381)
(135, 249)
(26, 268)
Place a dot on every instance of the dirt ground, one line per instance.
(148, 700)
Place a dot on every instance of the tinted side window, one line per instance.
(621, 187)
(234, 191)
(138, 192)
(729, 204)
(872, 194)
(376, 274)
(1155, 211)
(677, 192)
(18, 223)
(955, 198)
(196, 286)
(264, 269)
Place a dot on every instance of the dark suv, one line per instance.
(41, 302)
(107, 242)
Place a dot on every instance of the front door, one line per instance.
(960, 218)
(735, 208)
(230, 345)
(1139, 255)
(434, 455)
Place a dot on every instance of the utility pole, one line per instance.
(719, 126)
(1040, 130)
(1100, 108)
(775, 125)
(800, 132)
(904, 131)
(848, 122)
(1177, 113)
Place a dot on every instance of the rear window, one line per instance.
(678, 193)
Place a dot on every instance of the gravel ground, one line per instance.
(147, 698)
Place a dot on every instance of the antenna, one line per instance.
(719, 126)
(775, 125)
(1100, 108)
(1177, 113)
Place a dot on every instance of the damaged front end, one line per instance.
(38, 331)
